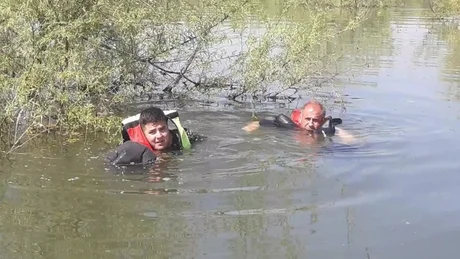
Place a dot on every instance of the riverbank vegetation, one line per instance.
(445, 8)
(69, 66)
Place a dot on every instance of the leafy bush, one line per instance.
(69, 65)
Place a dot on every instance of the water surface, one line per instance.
(265, 194)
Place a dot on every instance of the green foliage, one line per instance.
(72, 63)
(291, 54)
(49, 67)
(445, 7)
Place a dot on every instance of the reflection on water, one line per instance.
(265, 194)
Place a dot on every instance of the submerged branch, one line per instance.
(16, 144)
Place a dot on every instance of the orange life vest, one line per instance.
(136, 134)
(295, 116)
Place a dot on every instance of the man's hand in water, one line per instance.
(345, 136)
(252, 126)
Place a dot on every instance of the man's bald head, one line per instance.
(312, 116)
(316, 106)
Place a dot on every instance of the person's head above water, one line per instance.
(312, 115)
(154, 124)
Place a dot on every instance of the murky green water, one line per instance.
(264, 195)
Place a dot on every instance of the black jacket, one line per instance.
(131, 153)
(134, 153)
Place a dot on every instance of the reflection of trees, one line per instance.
(268, 233)
(302, 44)
(443, 40)
(263, 222)
(451, 68)
(90, 227)
(46, 215)
(362, 47)
(373, 40)
(75, 220)
(431, 46)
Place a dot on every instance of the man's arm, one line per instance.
(345, 136)
(131, 152)
(280, 121)
(252, 126)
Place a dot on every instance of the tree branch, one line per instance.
(173, 72)
(169, 88)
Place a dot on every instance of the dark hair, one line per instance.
(152, 115)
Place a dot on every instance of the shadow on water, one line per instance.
(267, 193)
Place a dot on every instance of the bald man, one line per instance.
(311, 117)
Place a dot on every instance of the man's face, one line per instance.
(311, 118)
(158, 135)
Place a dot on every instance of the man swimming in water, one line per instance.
(311, 118)
(147, 135)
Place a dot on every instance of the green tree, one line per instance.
(70, 64)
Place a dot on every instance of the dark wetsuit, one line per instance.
(131, 152)
(283, 121)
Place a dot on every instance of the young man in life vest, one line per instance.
(148, 136)
(153, 131)
(311, 117)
